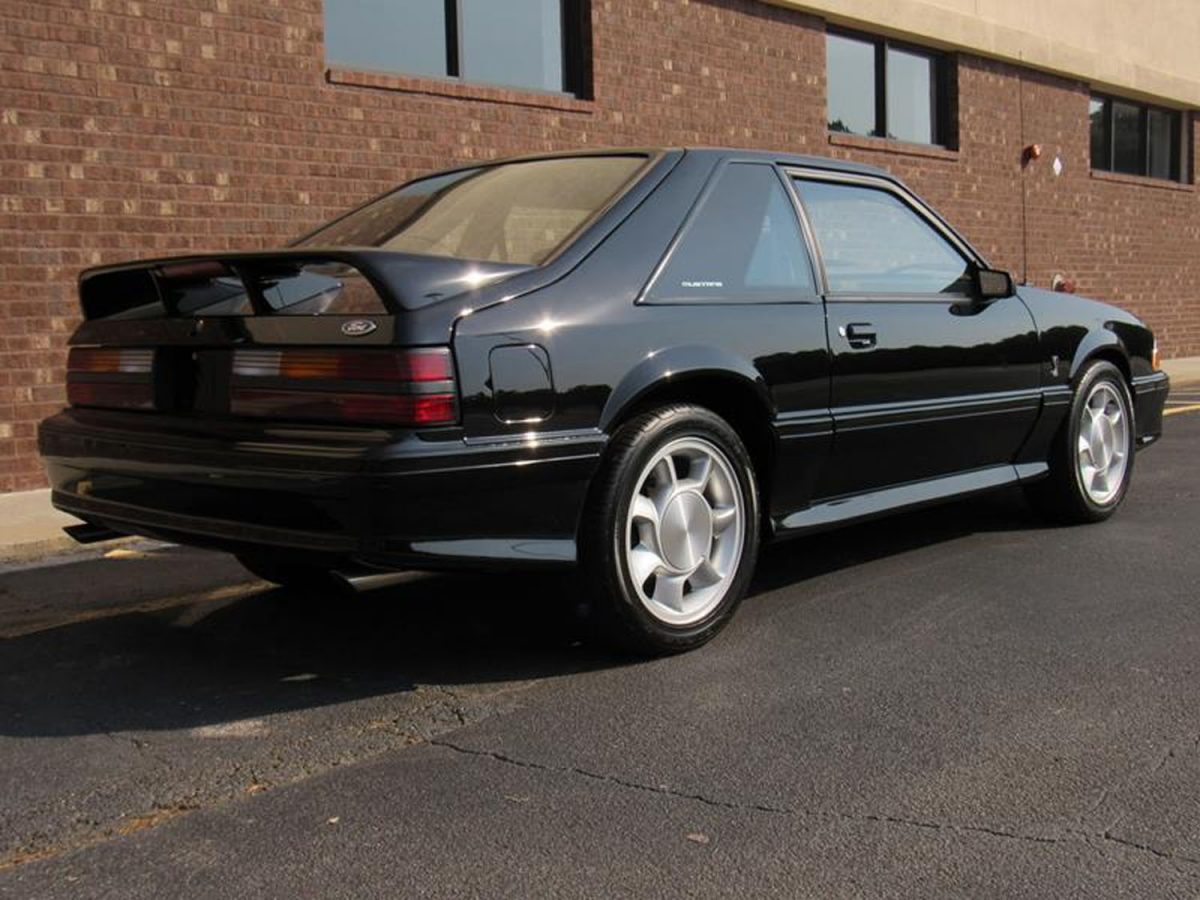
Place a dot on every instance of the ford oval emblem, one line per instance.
(358, 327)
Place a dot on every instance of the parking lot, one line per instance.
(958, 701)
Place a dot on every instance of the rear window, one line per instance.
(511, 213)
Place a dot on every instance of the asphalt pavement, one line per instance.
(961, 701)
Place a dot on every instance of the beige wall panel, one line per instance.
(1146, 49)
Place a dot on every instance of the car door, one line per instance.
(927, 380)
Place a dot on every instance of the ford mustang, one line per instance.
(643, 364)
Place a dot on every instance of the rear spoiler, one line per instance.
(163, 288)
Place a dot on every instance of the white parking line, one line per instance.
(1175, 410)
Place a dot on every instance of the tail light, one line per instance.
(110, 377)
(369, 386)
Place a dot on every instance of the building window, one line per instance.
(1136, 139)
(540, 45)
(880, 88)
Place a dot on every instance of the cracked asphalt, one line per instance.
(956, 702)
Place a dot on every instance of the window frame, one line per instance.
(943, 118)
(971, 256)
(812, 296)
(575, 47)
(1181, 138)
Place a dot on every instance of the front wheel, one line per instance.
(1091, 461)
(672, 530)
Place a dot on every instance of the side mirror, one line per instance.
(993, 284)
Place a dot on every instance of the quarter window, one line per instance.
(873, 242)
(881, 89)
(533, 44)
(744, 242)
(1136, 139)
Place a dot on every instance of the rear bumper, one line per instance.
(368, 497)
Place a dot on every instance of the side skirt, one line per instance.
(860, 507)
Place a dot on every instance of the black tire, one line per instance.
(1062, 496)
(300, 577)
(616, 608)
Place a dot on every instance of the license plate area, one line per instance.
(189, 379)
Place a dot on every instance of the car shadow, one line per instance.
(269, 651)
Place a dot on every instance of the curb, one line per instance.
(1184, 372)
(35, 552)
(31, 531)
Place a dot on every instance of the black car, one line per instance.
(643, 363)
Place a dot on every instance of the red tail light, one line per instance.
(386, 387)
(110, 377)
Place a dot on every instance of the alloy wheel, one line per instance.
(1102, 450)
(685, 530)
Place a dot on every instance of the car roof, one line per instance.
(773, 156)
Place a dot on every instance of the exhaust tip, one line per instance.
(361, 580)
(89, 533)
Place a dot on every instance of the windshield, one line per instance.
(511, 213)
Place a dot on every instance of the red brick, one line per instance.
(110, 110)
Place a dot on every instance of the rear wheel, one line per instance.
(672, 530)
(1091, 462)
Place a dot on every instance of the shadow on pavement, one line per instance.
(272, 651)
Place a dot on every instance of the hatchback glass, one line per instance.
(515, 213)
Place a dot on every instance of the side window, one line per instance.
(743, 243)
(873, 242)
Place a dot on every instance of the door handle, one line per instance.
(860, 335)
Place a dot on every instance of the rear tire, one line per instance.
(1091, 460)
(671, 531)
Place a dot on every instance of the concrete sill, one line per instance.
(460, 90)
(1142, 181)
(895, 148)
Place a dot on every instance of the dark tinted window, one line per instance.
(1127, 139)
(851, 65)
(511, 213)
(1137, 139)
(1161, 141)
(873, 242)
(536, 44)
(887, 90)
(1101, 151)
(743, 242)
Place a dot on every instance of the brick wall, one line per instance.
(148, 127)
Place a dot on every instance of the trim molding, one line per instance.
(857, 507)
(880, 415)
